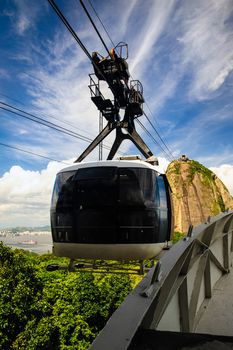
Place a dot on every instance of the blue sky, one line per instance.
(182, 51)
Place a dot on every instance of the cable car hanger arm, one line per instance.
(131, 135)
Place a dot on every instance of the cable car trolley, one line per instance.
(113, 209)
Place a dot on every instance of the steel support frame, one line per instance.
(184, 271)
(130, 134)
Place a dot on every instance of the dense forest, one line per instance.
(54, 310)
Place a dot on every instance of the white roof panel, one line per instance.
(117, 163)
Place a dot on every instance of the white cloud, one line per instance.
(124, 17)
(25, 195)
(221, 77)
(193, 40)
(58, 86)
(154, 24)
(23, 132)
(165, 90)
(207, 44)
(23, 24)
(25, 16)
(225, 173)
(163, 164)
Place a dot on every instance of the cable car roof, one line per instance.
(117, 163)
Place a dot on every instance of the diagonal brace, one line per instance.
(104, 133)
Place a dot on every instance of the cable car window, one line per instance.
(63, 189)
(96, 187)
(161, 194)
(136, 186)
(97, 173)
(130, 192)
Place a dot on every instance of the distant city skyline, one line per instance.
(181, 51)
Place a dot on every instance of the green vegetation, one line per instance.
(26, 228)
(207, 178)
(221, 203)
(215, 209)
(177, 236)
(177, 168)
(218, 206)
(54, 310)
(174, 167)
(196, 167)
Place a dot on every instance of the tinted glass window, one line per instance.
(63, 189)
(161, 195)
(136, 186)
(130, 192)
(96, 187)
(96, 173)
(85, 187)
(90, 196)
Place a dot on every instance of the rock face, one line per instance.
(197, 193)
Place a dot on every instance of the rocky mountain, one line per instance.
(197, 193)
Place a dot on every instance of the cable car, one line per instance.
(113, 209)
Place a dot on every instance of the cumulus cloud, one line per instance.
(225, 173)
(163, 164)
(25, 195)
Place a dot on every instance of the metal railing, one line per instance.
(173, 295)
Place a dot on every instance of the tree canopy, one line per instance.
(53, 310)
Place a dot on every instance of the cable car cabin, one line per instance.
(116, 210)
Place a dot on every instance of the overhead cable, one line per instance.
(32, 153)
(152, 137)
(92, 22)
(157, 133)
(73, 33)
(68, 26)
(107, 144)
(46, 115)
(21, 113)
(29, 116)
(101, 23)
